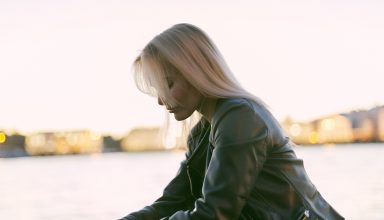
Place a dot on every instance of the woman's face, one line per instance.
(185, 97)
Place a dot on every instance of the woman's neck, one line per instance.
(207, 108)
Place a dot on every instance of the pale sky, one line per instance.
(67, 64)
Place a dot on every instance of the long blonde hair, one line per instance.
(189, 50)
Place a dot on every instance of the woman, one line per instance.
(239, 163)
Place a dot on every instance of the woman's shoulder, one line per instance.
(237, 111)
(225, 104)
(244, 114)
(236, 106)
(237, 120)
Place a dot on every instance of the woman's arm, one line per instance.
(176, 195)
(240, 149)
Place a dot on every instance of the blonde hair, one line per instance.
(188, 50)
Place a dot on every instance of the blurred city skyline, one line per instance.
(65, 65)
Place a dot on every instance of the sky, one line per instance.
(67, 64)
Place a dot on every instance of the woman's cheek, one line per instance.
(178, 95)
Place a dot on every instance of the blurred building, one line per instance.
(68, 142)
(380, 126)
(300, 132)
(111, 144)
(326, 130)
(334, 129)
(12, 144)
(351, 127)
(142, 139)
(367, 125)
(377, 116)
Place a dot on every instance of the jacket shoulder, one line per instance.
(235, 121)
(242, 113)
(236, 106)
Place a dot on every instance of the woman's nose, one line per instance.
(159, 101)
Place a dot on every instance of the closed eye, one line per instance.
(170, 84)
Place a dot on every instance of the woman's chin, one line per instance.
(180, 117)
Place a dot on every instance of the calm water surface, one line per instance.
(108, 186)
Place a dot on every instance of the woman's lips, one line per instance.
(172, 110)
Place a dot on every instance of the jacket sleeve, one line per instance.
(239, 141)
(176, 195)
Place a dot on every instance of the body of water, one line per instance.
(108, 186)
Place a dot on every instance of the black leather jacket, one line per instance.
(239, 166)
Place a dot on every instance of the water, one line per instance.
(108, 186)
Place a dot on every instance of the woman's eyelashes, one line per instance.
(170, 83)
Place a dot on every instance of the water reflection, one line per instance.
(108, 186)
